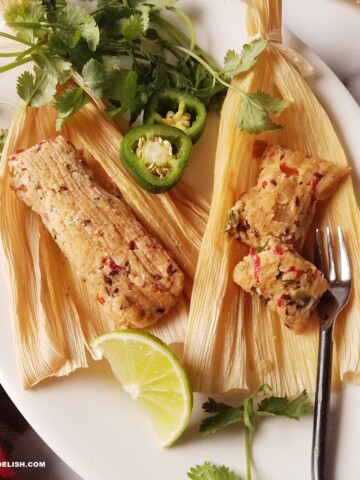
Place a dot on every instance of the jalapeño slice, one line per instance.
(155, 156)
(177, 109)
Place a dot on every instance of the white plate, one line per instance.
(90, 422)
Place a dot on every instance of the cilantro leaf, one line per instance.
(235, 63)
(227, 417)
(161, 4)
(124, 89)
(209, 471)
(110, 63)
(73, 23)
(273, 104)
(145, 15)
(26, 12)
(179, 80)
(212, 406)
(55, 65)
(232, 62)
(94, 76)
(282, 406)
(133, 27)
(3, 134)
(80, 55)
(36, 89)
(68, 103)
(151, 46)
(25, 86)
(254, 113)
(159, 77)
(49, 4)
(56, 46)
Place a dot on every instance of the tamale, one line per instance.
(284, 201)
(125, 268)
(287, 283)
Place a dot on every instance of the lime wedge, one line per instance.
(152, 375)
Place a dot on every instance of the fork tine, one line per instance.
(345, 271)
(319, 251)
(332, 266)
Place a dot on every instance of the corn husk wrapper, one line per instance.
(245, 344)
(54, 316)
(4, 4)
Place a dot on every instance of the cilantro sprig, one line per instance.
(255, 107)
(209, 471)
(122, 52)
(247, 413)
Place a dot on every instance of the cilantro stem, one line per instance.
(189, 23)
(18, 107)
(173, 49)
(172, 32)
(100, 9)
(180, 36)
(248, 413)
(16, 39)
(40, 25)
(11, 65)
(12, 54)
(247, 454)
(196, 57)
(211, 70)
(21, 54)
(30, 51)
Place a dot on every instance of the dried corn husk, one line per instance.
(245, 344)
(4, 4)
(54, 316)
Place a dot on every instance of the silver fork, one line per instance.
(329, 307)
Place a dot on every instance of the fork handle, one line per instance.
(322, 404)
